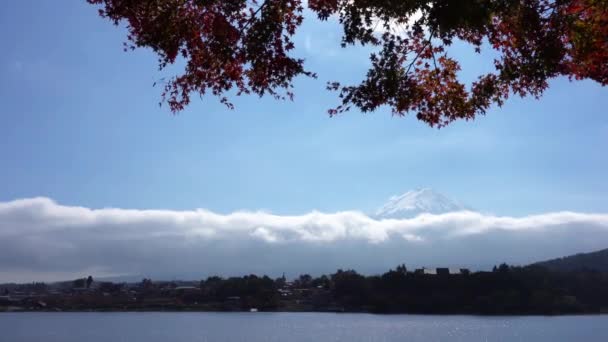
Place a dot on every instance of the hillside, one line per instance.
(593, 261)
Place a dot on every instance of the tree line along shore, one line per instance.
(504, 290)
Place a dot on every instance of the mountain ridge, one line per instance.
(597, 261)
(418, 201)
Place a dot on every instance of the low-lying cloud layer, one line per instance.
(43, 240)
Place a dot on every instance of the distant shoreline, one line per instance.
(187, 310)
(505, 291)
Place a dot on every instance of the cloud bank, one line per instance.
(43, 240)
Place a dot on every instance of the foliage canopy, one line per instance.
(246, 45)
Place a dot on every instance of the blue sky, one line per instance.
(80, 123)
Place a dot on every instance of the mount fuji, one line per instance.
(415, 202)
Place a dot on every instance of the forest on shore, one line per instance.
(504, 290)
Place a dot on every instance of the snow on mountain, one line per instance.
(416, 202)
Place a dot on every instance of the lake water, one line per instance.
(254, 327)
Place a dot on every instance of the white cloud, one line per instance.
(394, 26)
(40, 236)
(308, 43)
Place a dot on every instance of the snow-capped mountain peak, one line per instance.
(417, 202)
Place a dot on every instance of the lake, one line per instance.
(254, 327)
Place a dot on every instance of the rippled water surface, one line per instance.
(253, 327)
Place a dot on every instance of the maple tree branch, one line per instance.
(253, 16)
(433, 54)
(419, 52)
